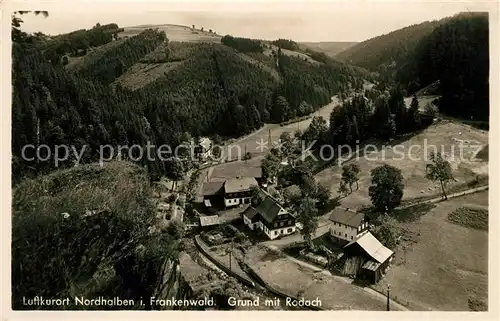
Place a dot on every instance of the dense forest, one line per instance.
(383, 53)
(286, 44)
(457, 55)
(213, 91)
(453, 52)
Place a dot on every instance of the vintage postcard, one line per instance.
(250, 156)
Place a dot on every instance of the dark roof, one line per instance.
(347, 217)
(212, 188)
(250, 212)
(269, 209)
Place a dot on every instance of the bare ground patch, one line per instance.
(289, 277)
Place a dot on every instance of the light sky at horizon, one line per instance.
(334, 21)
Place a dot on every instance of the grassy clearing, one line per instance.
(440, 265)
(470, 217)
(410, 157)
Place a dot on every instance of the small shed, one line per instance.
(373, 257)
(212, 220)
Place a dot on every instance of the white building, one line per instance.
(347, 225)
(237, 191)
(270, 217)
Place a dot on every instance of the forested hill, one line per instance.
(455, 55)
(383, 53)
(82, 94)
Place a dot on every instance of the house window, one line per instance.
(351, 237)
(281, 223)
(275, 232)
(289, 222)
(289, 230)
(345, 234)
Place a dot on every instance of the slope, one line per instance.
(382, 53)
(330, 48)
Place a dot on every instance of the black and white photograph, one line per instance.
(250, 157)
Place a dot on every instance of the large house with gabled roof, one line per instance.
(231, 192)
(270, 218)
(347, 225)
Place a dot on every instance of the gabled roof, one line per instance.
(250, 212)
(347, 217)
(243, 184)
(269, 209)
(206, 143)
(373, 247)
(212, 188)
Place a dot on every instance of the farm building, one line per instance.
(203, 149)
(347, 225)
(367, 258)
(229, 193)
(270, 217)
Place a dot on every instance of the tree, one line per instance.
(343, 189)
(322, 196)
(307, 216)
(281, 109)
(387, 187)
(317, 130)
(350, 176)
(287, 145)
(270, 166)
(414, 114)
(431, 110)
(175, 170)
(257, 195)
(439, 171)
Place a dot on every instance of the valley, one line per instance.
(244, 212)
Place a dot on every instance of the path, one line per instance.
(441, 199)
(376, 295)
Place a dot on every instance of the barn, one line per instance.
(368, 257)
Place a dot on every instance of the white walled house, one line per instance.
(347, 225)
(237, 191)
(229, 193)
(270, 217)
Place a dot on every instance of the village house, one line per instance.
(203, 150)
(347, 225)
(367, 258)
(270, 217)
(229, 193)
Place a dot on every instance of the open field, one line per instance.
(174, 33)
(294, 279)
(445, 264)
(142, 74)
(422, 101)
(75, 63)
(410, 155)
